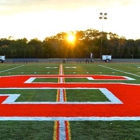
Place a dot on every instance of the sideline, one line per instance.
(120, 71)
(11, 68)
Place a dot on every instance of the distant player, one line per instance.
(91, 57)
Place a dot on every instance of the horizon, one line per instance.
(68, 38)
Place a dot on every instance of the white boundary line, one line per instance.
(92, 118)
(11, 68)
(62, 131)
(119, 71)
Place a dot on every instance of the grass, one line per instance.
(30, 95)
(80, 130)
(26, 130)
(54, 80)
(105, 130)
(85, 95)
(32, 68)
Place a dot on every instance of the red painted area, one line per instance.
(18, 81)
(128, 94)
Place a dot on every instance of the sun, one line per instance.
(71, 38)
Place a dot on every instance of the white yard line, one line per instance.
(61, 96)
(62, 130)
(51, 67)
(92, 118)
(71, 67)
(120, 71)
(11, 68)
(62, 126)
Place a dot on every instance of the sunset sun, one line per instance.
(71, 38)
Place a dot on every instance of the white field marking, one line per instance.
(61, 73)
(90, 78)
(61, 80)
(51, 67)
(61, 70)
(61, 96)
(120, 71)
(30, 80)
(92, 118)
(111, 97)
(10, 99)
(62, 130)
(71, 67)
(62, 126)
(129, 78)
(12, 68)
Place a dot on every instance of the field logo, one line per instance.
(124, 101)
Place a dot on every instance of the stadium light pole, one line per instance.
(103, 16)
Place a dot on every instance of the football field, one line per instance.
(70, 101)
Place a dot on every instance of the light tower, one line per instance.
(103, 16)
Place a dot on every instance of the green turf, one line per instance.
(55, 80)
(77, 80)
(46, 95)
(105, 130)
(31, 68)
(119, 69)
(26, 130)
(85, 95)
(80, 130)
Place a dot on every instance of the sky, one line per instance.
(43, 18)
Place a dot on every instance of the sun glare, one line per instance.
(71, 38)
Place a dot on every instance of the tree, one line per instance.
(36, 46)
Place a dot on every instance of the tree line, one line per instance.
(57, 46)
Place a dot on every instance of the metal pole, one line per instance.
(103, 16)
